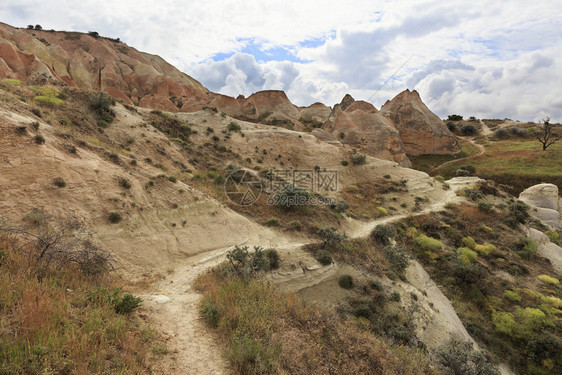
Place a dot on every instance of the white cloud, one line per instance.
(482, 58)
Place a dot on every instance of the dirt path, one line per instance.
(471, 140)
(173, 305)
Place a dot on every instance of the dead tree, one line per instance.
(546, 134)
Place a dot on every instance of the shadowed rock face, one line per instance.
(421, 131)
(361, 126)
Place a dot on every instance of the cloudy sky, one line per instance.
(489, 59)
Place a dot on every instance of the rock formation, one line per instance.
(544, 200)
(403, 126)
(421, 131)
(360, 125)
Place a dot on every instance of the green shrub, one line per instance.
(273, 256)
(485, 249)
(530, 247)
(553, 236)
(21, 130)
(124, 183)
(428, 243)
(295, 225)
(35, 125)
(11, 82)
(127, 304)
(101, 104)
(39, 139)
(397, 257)
(272, 222)
(468, 129)
(469, 242)
(358, 159)
(346, 282)
(233, 127)
(245, 263)
(330, 237)
(345, 163)
(519, 211)
(395, 296)
(210, 312)
(548, 280)
(461, 358)
(466, 255)
(504, 322)
(383, 233)
(341, 206)
(59, 182)
(324, 257)
(512, 296)
(172, 179)
(48, 101)
(114, 217)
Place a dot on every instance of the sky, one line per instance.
(488, 59)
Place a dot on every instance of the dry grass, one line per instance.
(48, 324)
(518, 163)
(270, 332)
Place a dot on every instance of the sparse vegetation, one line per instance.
(101, 104)
(114, 217)
(59, 182)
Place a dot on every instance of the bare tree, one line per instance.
(58, 243)
(546, 134)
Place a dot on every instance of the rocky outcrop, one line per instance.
(362, 127)
(315, 114)
(421, 131)
(544, 200)
(96, 63)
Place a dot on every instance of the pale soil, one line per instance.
(174, 245)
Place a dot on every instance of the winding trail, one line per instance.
(173, 304)
(471, 140)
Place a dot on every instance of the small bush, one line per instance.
(324, 257)
(519, 211)
(553, 236)
(48, 101)
(466, 255)
(428, 243)
(341, 206)
(485, 249)
(501, 133)
(383, 233)
(330, 237)
(461, 358)
(469, 242)
(246, 264)
(210, 312)
(548, 280)
(114, 217)
(272, 222)
(124, 183)
(512, 296)
(59, 182)
(295, 225)
(397, 257)
(172, 179)
(454, 117)
(35, 125)
(468, 129)
(346, 282)
(21, 130)
(345, 163)
(233, 127)
(358, 159)
(273, 256)
(101, 104)
(39, 139)
(127, 304)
